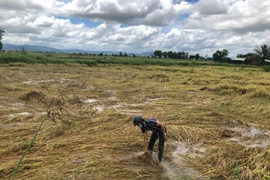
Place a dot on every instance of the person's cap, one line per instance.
(137, 119)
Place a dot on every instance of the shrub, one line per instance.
(266, 68)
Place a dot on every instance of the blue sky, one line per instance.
(202, 26)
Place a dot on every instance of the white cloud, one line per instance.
(20, 5)
(139, 25)
(211, 7)
(166, 14)
(43, 21)
(132, 12)
(110, 10)
(240, 16)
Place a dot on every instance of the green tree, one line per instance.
(179, 54)
(197, 56)
(1, 36)
(217, 56)
(165, 54)
(23, 50)
(170, 54)
(263, 52)
(158, 53)
(175, 55)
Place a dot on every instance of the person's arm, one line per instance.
(162, 129)
(145, 142)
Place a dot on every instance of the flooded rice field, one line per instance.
(213, 131)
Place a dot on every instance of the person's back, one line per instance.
(158, 131)
(151, 124)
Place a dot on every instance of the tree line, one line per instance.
(260, 55)
(172, 55)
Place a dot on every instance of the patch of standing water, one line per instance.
(90, 101)
(251, 137)
(178, 168)
(19, 114)
(121, 107)
(37, 82)
(178, 172)
(17, 104)
(13, 106)
(252, 132)
(99, 108)
(112, 91)
(112, 98)
(26, 114)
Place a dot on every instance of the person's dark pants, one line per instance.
(152, 141)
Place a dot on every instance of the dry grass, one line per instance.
(95, 139)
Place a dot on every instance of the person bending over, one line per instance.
(158, 131)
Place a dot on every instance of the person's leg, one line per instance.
(152, 141)
(160, 146)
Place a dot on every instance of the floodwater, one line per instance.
(31, 82)
(251, 137)
(90, 101)
(178, 168)
(98, 108)
(121, 107)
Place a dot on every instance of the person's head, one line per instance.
(137, 120)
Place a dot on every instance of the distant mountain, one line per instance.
(147, 53)
(45, 49)
(29, 48)
(35, 48)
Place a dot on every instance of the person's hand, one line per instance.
(165, 137)
(145, 152)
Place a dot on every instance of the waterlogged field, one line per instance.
(217, 120)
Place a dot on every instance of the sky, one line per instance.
(135, 26)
